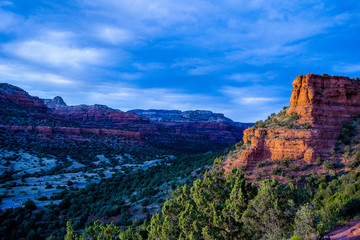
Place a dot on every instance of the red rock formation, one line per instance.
(325, 101)
(56, 121)
(13, 95)
(322, 102)
(96, 114)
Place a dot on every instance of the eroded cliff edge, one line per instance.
(306, 130)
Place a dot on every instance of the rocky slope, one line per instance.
(308, 129)
(51, 120)
(12, 96)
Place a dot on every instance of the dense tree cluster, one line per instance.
(111, 198)
(229, 207)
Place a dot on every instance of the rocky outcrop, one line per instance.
(325, 101)
(322, 104)
(11, 96)
(54, 103)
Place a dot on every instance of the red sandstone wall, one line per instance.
(324, 102)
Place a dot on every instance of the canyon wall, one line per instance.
(52, 121)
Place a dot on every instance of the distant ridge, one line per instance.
(52, 121)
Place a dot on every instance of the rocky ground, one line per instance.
(33, 181)
(348, 231)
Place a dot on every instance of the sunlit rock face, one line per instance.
(323, 103)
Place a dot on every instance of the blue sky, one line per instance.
(235, 57)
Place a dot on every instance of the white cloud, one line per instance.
(202, 70)
(253, 94)
(6, 3)
(148, 66)
(8, 20)
(264, 55)
(127, 97)
(24, 76)
(129, 76)
(115, 35)
(245, 77)
(258, 100)
(255, 102)
(47, 53)
(196, 66)
(350, 68)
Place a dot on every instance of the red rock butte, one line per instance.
(323, 103)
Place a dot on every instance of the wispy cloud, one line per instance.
(256, 101)
(348, 68)
(47, 53)
(244, 77)
(8, 19)
(197, 66)
(148, 66)
(23, 76)
(127, 97)
(115, 35)
(129, 76)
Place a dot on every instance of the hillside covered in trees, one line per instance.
(295, 176)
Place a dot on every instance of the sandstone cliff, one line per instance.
(308, 129)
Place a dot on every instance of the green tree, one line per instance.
(306, 223)
(70, 234)
(270, 212)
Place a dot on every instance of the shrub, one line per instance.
(353, 163)
(347, 133)
(318, 160)
(328, 165)
(259, 124)
(294, 167)
(305, 126)
(277, 171)
(260, 164)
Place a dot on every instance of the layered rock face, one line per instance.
(51, 120)
(323, 104)
(326, 101)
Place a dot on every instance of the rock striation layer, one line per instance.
(323, 104)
